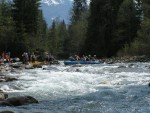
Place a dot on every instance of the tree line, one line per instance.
(105, 28)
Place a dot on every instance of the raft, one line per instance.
(38, 63)
(68, 62)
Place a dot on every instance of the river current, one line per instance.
(100, 88)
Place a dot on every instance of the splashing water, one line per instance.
(103, 88)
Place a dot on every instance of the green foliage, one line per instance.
(137, 47)
(26, 12)
(77, 34)
(144, 32)
(127, 25)
(100, 27)
(78, 27)
(134, 49)
(7, 34)
(141, 45)
(79, 7)
(28, 23)
(146, 8)
(40, 39)
(63, 39)
(57, 39)
(107, 27)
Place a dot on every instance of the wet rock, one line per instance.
(39, 66)
(130, 65)
(15, 59)
(149, 84)
(122, 67)
(15, 66)
(148, 67)
(7, 79)
(3, 95)
(78, 70)
(126, 59)
(7, 112)
(18, 101)
(77, 65)
(44, 68)
(5, 103)
(54, 62)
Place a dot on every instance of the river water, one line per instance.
(102, 88)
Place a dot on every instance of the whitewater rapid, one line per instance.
(102, 88)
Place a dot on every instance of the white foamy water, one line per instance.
(117, 88)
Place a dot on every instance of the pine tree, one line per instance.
(62, 39)
(144, 32)
(52, 39)
(99, 28)
(7, 32)
(78, 26)
(79, 7)
(40, 41)
(25, 12)
(26, 15)
(127, 25)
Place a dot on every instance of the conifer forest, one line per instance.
(104, 27)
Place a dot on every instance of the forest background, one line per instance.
(106, 28)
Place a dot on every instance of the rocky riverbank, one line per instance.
(5, 100)
(127, 59)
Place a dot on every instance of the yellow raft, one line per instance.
(37, 63)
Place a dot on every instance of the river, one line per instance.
(100, 88)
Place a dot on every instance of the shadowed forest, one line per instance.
(106, 28)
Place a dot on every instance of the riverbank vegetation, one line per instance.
(105, 27)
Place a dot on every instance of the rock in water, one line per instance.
(7, 79)
(18, 101)
(149, 84)
(3, 95)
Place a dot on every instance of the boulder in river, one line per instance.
(3, 95)
(18, 101)
(7, 112)
(149, 84)
(15, 65)
(7, 79)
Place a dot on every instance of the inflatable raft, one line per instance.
(68, 62)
